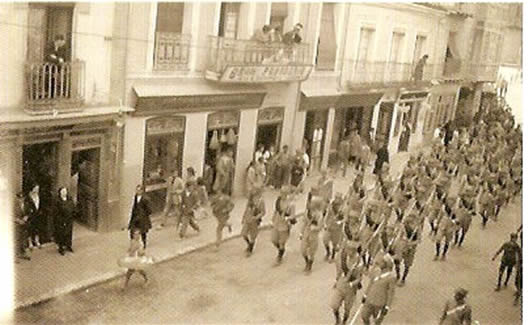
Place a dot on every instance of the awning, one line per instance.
(180, 96)
(325, 98)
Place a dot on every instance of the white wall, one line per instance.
(245, 147)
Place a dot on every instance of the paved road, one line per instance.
(223, 286)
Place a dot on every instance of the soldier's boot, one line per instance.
(397, 267)
(334, 251)
(309, 266)
(437, 251)
(280, 255)
(508, 274)
(305, 263)
(462, 237)
(328, 253)
(345, 317)
(405, 273)
(337, 318)
(446, 247)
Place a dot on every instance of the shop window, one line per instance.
(327, 43)
(229, 15)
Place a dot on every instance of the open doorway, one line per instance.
(84, 189)
(268, 135)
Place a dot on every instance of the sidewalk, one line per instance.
(49, 274)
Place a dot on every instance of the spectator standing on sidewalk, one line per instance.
(343, 154)
(283, 166)
(140, 216)
(511, 254)
(251, 177)
(190, 201)
(64, 211)
(21, 234)
(382, 156)
(37, 219)
(173, 200)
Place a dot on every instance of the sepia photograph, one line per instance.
(261, 162)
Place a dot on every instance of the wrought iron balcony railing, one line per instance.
(171, 51)
(252, 55)
(464, 70)
(365, 73)
(54, 86)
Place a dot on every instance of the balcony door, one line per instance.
(229, 16)
(49, 21)
(396, 69)
(279, 13)
(170, 51)
(361, 72)
(419, 48)
(327, 44)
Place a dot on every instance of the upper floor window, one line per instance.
(170, 17)
(419, 48)
(396, 53)
(53, 26)
(279, 13)
(366, 36)
(327, 43)
(229, 16)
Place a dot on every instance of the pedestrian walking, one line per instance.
(511, 254)
(457, 311)
(64, 212)
(140, 216)
(252, 218)
(313, 223)
(135, 260)
(283, 219)
(190, 202)
(173, 200)
(222, 206)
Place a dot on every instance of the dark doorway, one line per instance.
(268, 135)
(40, 166)
(384, 123)
(85, 187)
(315, 121)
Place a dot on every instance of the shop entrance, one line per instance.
(40, 166)
(314, 134)
(222, 135)
(268, 135)
(384, 123)
(85, 186)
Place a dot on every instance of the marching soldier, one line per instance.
(313, 223)
(447, 225)
(378, 296)
(345, 291)
(333, 230)
(457, 311)
(255, 211)
(350, 253)
(511, 254)
(283, 220)
(222, 206)
(464, 216)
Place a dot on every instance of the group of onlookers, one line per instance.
(31, 221)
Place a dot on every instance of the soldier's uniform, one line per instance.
(313, 224)
(446, 228)
(348, 256)
(255, 211)
(456, 312)
(283, 218)
(379, 294)
(333, 231)
(345, 291)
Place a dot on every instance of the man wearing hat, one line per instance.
(255, 211)
(511, 253)
(379, 293)
(283, 219)
(456, 311)
(222, 206)
(345, 289)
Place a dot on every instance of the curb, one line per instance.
(99, 279)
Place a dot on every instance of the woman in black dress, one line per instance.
(64, 221)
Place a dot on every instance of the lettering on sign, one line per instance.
(86, 142)
(165, 125)
(266, 73)
(270, 115)
(222, 120)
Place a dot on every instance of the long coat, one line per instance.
(382, 156)
(64, 210)
(140, 218)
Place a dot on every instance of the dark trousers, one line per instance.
(143, 238)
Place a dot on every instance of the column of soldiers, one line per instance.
(374, 232)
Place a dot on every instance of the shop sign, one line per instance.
(84, 143)
(265, 73)
(222, 120)
(418, 96)
(165, 125)
(270, 115)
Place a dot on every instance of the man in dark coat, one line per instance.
(56, 54)
(382, 156)
(140, 217)
(21, 234)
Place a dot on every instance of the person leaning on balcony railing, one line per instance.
(293, 37)
(56, 54)
(419, 68)
(263, 35)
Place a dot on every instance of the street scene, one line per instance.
(262, 162)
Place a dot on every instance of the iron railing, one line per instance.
(171, 51)
(464, 70)
(54, 86)
(369, 73)
(225, 51)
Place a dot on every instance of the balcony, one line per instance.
(361, 74)
(245, 61)
(171, 52)
(54, 87)
(474, 72)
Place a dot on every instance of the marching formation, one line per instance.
(372, 234)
